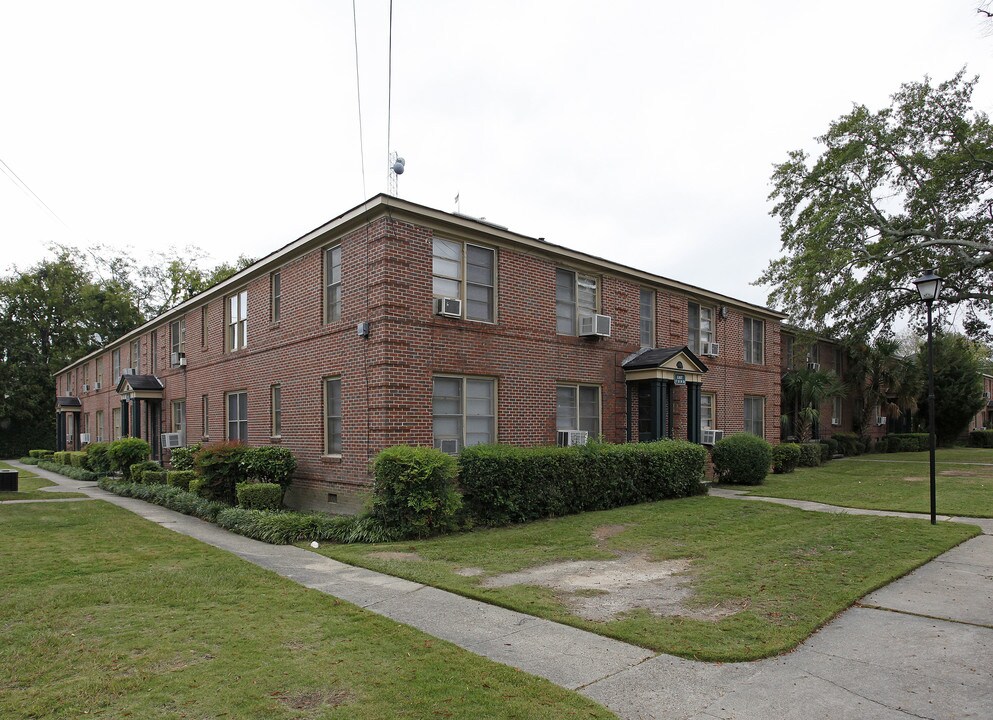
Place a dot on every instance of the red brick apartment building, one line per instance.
(396, 323)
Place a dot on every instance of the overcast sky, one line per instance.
(643, 132)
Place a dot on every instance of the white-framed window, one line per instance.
(99, 427)
(276, 405)
(463, 412)
(205, 415)
(468, 272)
(237, 416)
(86, 374)
(203, 326)
(575, 296)
(98, 372)
(153, 352)
(136, 355)
(179, 417)
(839, 361)
(646, 317)
(755, 415)
(333, 440)
(115, 364)
(177, 337)
(275, 299)
(701, 326)
(577, 407)
(836, 411)
(754, 338)
(332, 284)
(115, 416)
(237, 312)
(707, 404)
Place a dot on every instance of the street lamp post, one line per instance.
(929, 288)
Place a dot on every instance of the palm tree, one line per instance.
(805, 390)
(879, 376)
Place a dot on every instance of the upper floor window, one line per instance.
(701, 327)
(275, 287)
(177, 339)
(578, 408)
(789, 341)
(836, 411)
(98, 373)
(575, 296)
(136, 355)
(839, 358)
(755, 415)
(237, 416)
(86, 376)
(467, 272)
(115, 364)
(238, 320)
(332, 284)
(153, 351)
(814, 353)
(464, 412)
(754, 337)
(69, 383)
(646, 313)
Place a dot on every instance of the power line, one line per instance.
(358, 95)
(23, 186)
(389, 86)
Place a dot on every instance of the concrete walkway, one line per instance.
(921, 647)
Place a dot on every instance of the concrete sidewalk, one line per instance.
(921, 647)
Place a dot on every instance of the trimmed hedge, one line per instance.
(269, 464)
(503, 484)
(98, 458)
(785, 458)
(826, 453)
(29, 460)
(61, 458)
(849, 444)
(259, 496)
(68, 471)
(78, 460)
(414, 490)
(170, 497)
(220, 465)
(741, 459)
(810, 454)
(196, 486)
(138, 470)
(184, 458)
(180, 478)
(126, 452)
(154, 477)
(981, 438)
(40, 454)
(903, 442)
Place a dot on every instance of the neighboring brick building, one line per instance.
(339, 345)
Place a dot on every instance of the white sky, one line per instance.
(643, 132)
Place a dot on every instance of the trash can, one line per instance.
(8, 480)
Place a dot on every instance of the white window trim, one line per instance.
(324, 405)
(465, 396)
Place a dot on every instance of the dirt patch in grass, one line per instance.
(605, 532)
(914, 478)
(469, 571)
(602, 589)
(313, 699)
(396, 555)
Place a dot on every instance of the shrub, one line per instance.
(414, 490)
(259, 496)
(40, 454)
(78, 460)
(981, 438)
(68, 471)
(97, 457)
(137, 471)
(220, 465)
(60, 458)
(825, 452)
(269, 464)
(171, 497)
(834, 447)
(903, 442)
(741, 459)
(196, 485)
(29, 460)
(154, 477)
(184, 458)
(810, 454)
(785, 458)
(849, 444)
(503, 484)
(180, 478)
(126, 452)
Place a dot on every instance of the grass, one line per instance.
(790, 571)
(895, 481)
(28, 485)
(103, 614)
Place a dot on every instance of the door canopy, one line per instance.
(678, 365)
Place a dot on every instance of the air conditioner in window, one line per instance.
(986, 396)
(177, 358)
(836, 421)
(594, 326)
(97, 385)
(813, 366)
(448, 445)
(129, 371)
(568, 438)
(709, 437)
(881, 420)
(710, 349)
(86, 387)
(84, 437)
(172, 440)
(448, 307)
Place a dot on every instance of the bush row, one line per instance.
(173, 498)
(903, 442)
(29, 460)
(68, 470)
(981, 438)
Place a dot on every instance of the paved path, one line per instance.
(921, 647)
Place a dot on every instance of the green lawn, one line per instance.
(103, 614)
(785, 570)
(28, 484)
(895, 481)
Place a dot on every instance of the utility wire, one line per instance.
(389, 85)
(358, 95)
(23, 186)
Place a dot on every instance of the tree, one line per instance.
(880, 376)
(805, 390)
(958, 384)
(893, 193)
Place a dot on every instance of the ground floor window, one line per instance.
(237, 403)
(179, 417)
(332, 416)
(578, 408)
(464, 412)
(205, 415)
(99, 428)
(115, 415)
(755, 416)
(707, 404)
(276, 402)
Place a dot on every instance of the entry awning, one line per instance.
(67, 403)
(140, 387)
(672, 364)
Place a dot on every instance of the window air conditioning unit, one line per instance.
(448, 307)
(881, 420)
(84, 437)
(449, 445)
(813, 366)
(709, 437)
(711, 349)
(986, 396)
(96, 385)
(836, 421)
(172, 440)
(178, 358)
(129, 371)
(594, 326)
(86, 388)
(568, 438)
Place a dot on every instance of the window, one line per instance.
(813, 355)
(755, 416)
(153, 351)
(203, 326)
(575, 297)
(238, 416)
(86, 423)
(68, 380)
(86, 374)
(332, 284)
(177, 340)
(98, 375)
(274, 286)
(115, 415)
(707, 411)
(578, 408)
(701, 327)
(136, 355)
(115, 362)
(646, 311)
(332, 416)
(276, 401)
(99, 427)
(836, 411)
(464, 412)
(838, 361)
(205, 414)
(466, 272)
(238, 321)
(754, 332)
(788, 353)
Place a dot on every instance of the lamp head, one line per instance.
(929, 286)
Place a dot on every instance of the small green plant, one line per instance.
(137, 471)
(60, 457)
(98, 458)
(269, 464)
(78, 460)
(126, 452)
(180, 478)
(741, 459)
(414, 491)
(849, 444)
(154, 477)
(184, 458)
(259, 496)
(68, 471)
(785, 458)
(220, 465)
(196, 486)
(810, 454)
